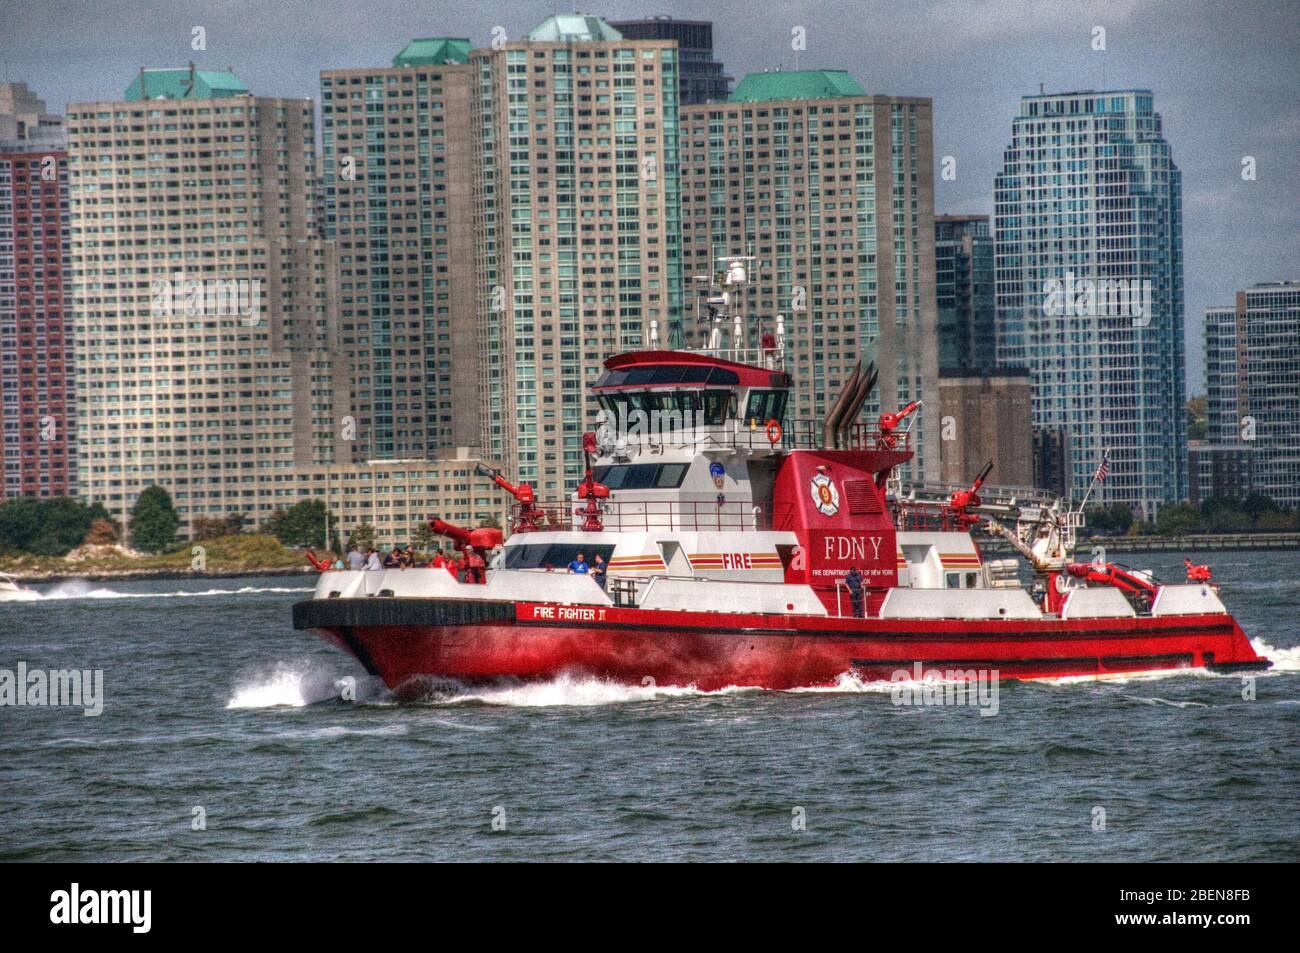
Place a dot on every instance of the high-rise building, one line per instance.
(577, 233)
(963, 289)
(986, 418)
(207, 355)
(1089, 282)
(24, 118)
(398, 195)
(1051, 466)
(35, 341)
(703, 79)
(832, 192)
(1252, 371)
(1222, 472)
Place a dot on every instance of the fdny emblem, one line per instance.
(824, 495)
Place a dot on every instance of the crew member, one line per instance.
(598, 571)
(854, 581)
(579, 565)
(474, 567)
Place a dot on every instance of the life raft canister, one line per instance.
(774, 432)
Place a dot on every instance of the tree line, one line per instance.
(58, 525)
(1257, 513)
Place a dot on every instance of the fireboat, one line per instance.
(742, 549)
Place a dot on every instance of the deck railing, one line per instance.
(658, 515)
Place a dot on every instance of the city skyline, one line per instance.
(1223, 79)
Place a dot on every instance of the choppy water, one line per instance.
(214, 702)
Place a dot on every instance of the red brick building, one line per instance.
(36, 376)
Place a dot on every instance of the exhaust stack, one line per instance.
(860, 396)
(830, 426)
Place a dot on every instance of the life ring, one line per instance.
(774, 431)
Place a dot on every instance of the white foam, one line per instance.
(563, 690)
(1156, 700)
(289, 685)
(81, 589)
(1123, 678)
(852, 683)
(343, 731)
(1284, 660)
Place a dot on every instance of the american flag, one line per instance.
(1103, 468)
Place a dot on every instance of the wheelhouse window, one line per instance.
(555, 556)
(641, 476)
(669, 374)
(711, 407)
(765, 405)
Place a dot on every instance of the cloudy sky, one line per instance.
(1225, 75)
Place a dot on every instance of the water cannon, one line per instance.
(483, 539)
(593, 493)
(960, 501)
(529, 515)
(320, 564)
(522, 493)
(474, 544)
(1131, 581)
(889, 423)
(1198, 573)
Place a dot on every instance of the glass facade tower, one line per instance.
(1089, 287)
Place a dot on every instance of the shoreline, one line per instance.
(1199, 543)
(1152, 544)
(108, 575)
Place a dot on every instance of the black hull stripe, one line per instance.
(858, 634)
(339, 614)
(378, 610)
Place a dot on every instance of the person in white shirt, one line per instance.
(372, 561)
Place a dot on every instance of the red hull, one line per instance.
(716, 650)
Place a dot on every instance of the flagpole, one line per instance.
(1105, 458)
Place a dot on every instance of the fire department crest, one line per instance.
(824, 495)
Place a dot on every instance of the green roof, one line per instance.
(573, 27)
(434, 51)
(175, 84)
(796, 84)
